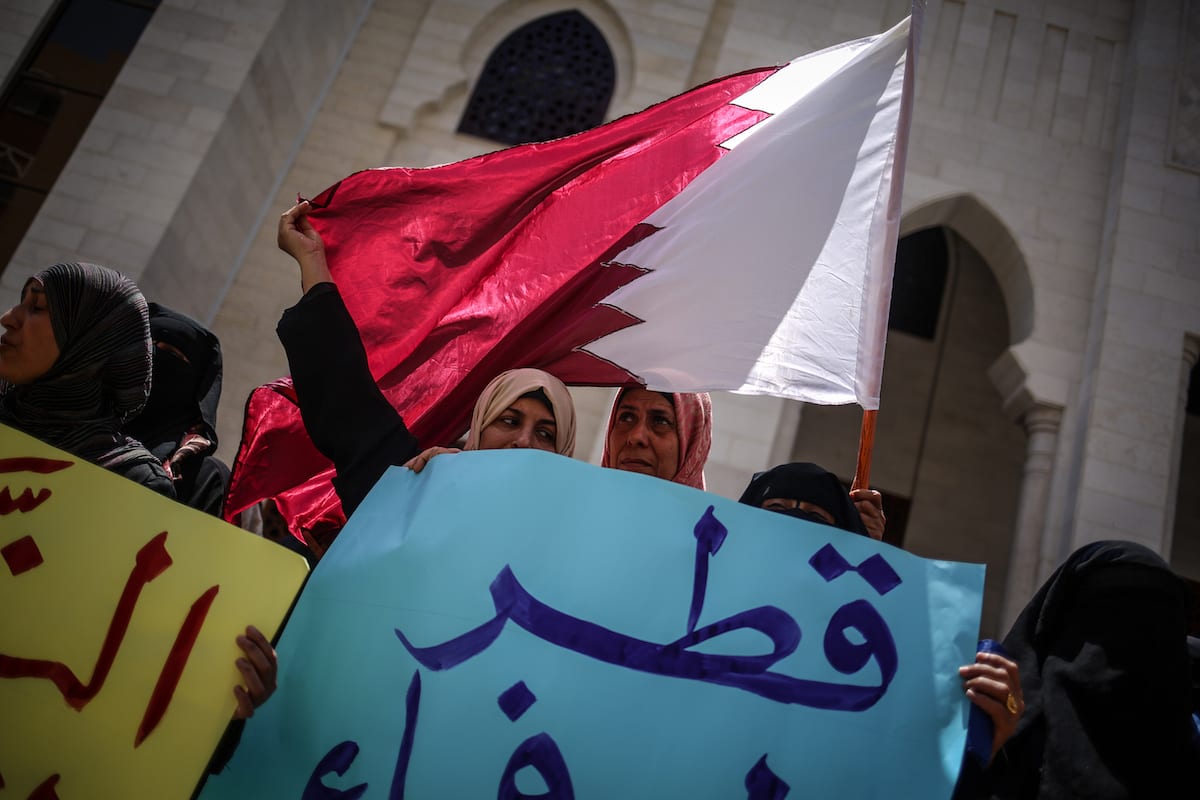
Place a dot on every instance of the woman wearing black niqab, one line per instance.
(805, 485)
(179, 421)
(1103, 652)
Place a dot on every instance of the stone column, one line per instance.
(1041, 422)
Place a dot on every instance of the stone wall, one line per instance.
(125, 182)
(19, 22)
(1146, 300)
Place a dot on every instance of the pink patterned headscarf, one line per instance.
(693, 422)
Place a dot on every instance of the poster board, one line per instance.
(515, 622)
(120, 610)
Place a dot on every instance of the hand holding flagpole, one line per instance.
(868, 501)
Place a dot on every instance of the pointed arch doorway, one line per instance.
(947, 459)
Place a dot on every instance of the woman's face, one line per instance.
(27, 348)
(788, 504)
(525, 423)
(644, 436)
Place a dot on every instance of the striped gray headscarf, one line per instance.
(102, 375)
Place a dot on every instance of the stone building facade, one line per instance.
(1054, 157)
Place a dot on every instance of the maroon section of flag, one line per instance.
(456, 273)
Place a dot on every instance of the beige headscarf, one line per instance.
(504, 390)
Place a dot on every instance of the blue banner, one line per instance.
(515, 623)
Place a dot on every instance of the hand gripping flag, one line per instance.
(737, 237)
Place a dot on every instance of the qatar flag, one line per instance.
(737, 237)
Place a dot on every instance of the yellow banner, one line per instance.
(119, 610)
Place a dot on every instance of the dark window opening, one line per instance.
(922, 264)
(551, 77)
(51, 98)
(1193, 396)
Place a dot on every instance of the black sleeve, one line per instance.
(225, 748)
(347, 417)
(203, 484)
(149, 472)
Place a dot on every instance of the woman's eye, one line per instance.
(663, 422)
(548, 435)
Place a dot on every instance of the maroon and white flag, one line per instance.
(737, 237)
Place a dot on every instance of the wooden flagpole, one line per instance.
(917, 16)
(866, 437)
(866, 442)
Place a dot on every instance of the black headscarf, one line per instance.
(807, 482)
(1102, 648)
(186, 394)
(102, 375)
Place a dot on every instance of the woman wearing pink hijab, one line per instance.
(661, 434)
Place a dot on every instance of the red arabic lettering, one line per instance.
(21, 555)
(152, 560)
(25, 502)
(42, 466)
(45, 789)
(172, 670)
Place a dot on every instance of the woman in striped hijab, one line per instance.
(75, 364)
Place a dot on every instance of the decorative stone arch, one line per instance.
(948, 459)
(421, 87)
(983, 230)
(1033, 398)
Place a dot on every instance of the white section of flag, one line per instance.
(772, 271)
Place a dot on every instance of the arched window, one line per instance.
(551, 77)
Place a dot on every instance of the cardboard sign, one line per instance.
(120, 610)
(515, 623)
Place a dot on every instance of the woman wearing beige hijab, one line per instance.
(519, 408)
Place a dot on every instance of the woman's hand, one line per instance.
(299, 239)
(870, 507)
(259, 670)
(417, 463)
(192, 448)
(993, 683)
